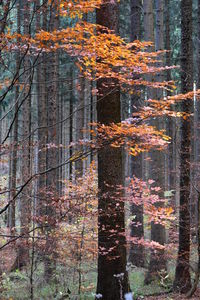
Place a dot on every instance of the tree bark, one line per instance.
(25, 201)
(149, 36)
(157, 260)
(52, 154)
(136, 254)
(80, 117)
(14, 151)
(182, 280)
(71, 100)
(42, 118)
(112, 281)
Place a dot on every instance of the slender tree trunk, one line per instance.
(112, 281)
(197, 122)
(148, 36)
(196, 142)
(170, 155)
(92, 115)
(136, 254)
(13, 173)
(71, 100)
(25, 202)
(182, 280)
(52, 154)
(42, 119)
(157, 260)
(80, 124)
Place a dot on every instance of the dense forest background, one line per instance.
(99, 149)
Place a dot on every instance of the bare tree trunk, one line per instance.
(26, 200)
(52, 153)
(182, 280)
(80, 124)
(196, 144)
(148, 36)
(136, 254)
(42, 118)
(13, 173)
(170, 155)
(112, 280)
(13, 157)
(157, 260)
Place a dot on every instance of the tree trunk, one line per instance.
(112, 281)
(52, 154)
(25, 201)
(71, 100)
(148, 36)
(80, 124)
(13, 163)
(136, 254)
(42, 119)
(171, 154)
(157, 260)
(13, 157)
(182, 280)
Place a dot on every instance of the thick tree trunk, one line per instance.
(136, 254)
(112, 275)
(182, 280)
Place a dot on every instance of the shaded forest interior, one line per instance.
(99, 149)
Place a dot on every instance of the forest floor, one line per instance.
(172, 296)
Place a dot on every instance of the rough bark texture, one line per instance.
(71, 120)
(13, 156)
(167, 38)
(25, 201)
(149, 36)
(182, 280)
(42, 120)
(52, 153)
(170, 122)
(112, 275)
(80, 125)
(13, 162)
(196, 141)
(157, 260)
(136, 254)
